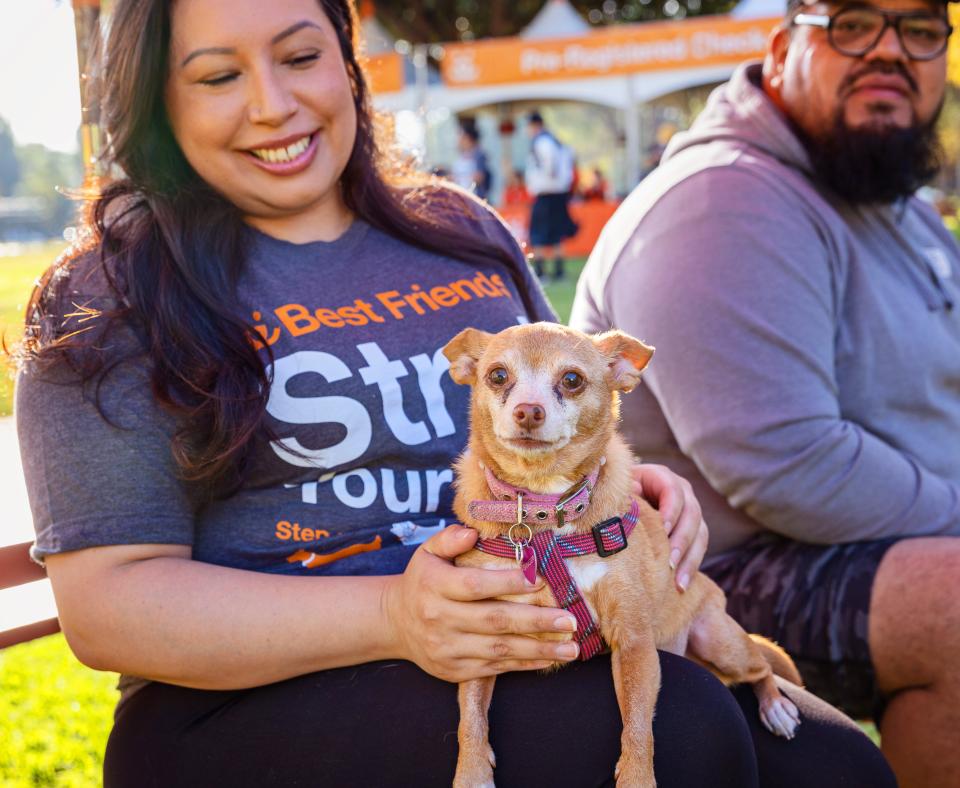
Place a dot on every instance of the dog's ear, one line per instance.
(627, 357)
(463, 352)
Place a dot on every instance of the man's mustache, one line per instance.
(878, 68)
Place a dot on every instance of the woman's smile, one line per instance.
(286, 157)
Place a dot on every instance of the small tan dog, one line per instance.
(546, 475)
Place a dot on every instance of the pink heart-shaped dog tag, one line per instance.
(528, 563)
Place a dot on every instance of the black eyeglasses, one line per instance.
(855, 31)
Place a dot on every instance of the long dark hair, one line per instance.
(171, 249)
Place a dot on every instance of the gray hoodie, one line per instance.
(807, 373)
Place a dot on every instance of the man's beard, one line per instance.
(875, 164)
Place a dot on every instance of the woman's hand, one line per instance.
(444, 617)
(682, 517)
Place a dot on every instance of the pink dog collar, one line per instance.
(538, 507)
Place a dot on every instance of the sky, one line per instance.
(39, 93)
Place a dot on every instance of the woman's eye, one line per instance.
(304, 60)
(221, 79)
(497, 376)
(571, 381)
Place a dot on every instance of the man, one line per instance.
(549, 177)
(806, 312)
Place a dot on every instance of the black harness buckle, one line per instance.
(597, 531)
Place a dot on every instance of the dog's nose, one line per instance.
(528, 415)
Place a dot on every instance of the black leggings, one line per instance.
(390, 724)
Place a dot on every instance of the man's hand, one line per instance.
(682, 517)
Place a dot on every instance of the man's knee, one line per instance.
(914, 622)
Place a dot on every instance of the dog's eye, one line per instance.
(497, 376)
(571, 381)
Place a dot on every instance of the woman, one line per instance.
(237, 435)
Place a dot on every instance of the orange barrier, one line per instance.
(590, 216)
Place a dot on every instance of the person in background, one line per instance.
(651, 159)
(471, 170)
(515, 192)
(550, 177)
(597, 188)
(805, 306)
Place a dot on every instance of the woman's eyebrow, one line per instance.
(293, 29)
(285, 33)
(207, 51)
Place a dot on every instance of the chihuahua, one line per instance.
(546, 481)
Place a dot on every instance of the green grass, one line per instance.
(953, 222)
(17, 275)
(55, 716)
(561, 293)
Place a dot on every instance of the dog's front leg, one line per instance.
(636, 677)
(475, 760)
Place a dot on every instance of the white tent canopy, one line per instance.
(757, 9)
(557, 19)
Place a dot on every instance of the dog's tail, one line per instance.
(779, 660)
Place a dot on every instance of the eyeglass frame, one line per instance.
(890, 19)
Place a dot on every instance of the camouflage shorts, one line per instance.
(813, 600)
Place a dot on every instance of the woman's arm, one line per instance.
(151, 611)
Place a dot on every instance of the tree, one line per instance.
(431, 21)
(44, 171)
(9, 165)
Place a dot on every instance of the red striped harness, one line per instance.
(544, 553)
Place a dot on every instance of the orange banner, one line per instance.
(953, 61)
(621, 49)
(385, 72)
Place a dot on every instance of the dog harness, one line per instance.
(544, 552)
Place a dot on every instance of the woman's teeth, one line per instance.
(282, 154)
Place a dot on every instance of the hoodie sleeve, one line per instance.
(740, 290)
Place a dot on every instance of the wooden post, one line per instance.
(86, 16)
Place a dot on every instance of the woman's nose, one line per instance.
(270, 102)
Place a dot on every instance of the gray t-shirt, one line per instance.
(367, 418)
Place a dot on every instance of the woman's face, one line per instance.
(260, 103)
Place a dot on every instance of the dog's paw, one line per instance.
(780, 716)
(476, 771)
(468, 782)
(632, 773)
(473, 780)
